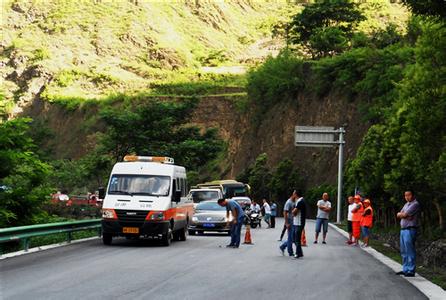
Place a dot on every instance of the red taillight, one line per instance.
(109, 214)
(155, 216)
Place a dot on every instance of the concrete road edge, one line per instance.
(431, 290)
(45, 247)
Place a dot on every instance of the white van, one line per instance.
(146, 197)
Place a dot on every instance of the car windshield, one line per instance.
(210, 206)
(139, 185)
(198, 196)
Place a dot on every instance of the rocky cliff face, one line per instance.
(246, 139)
(275, 133)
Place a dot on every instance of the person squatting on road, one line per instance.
(356, 219)
(267, 210)
(273, 214)
(409, 226)
(288, 216)
(366, 222)
(237, 220)
(351, 205)
(299, 213)
(323, 211)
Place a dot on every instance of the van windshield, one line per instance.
(139, 185)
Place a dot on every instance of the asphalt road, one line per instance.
(200, 269)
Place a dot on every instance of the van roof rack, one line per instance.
(158, 159)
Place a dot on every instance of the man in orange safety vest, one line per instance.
(366, 222)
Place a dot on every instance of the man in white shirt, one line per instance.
(267, 209)
(351, 206)
(255, 207)
(323, 210)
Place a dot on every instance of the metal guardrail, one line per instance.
(24, 233)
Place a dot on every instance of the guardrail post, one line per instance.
(26, 244)
(69, 237)
(100, 231)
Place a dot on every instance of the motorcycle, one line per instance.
(252, 218)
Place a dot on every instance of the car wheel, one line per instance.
(107, 238)
(166, 240)
(254, 225)
(191, 232)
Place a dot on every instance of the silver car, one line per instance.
(210, 217)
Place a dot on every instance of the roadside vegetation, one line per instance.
(397, 76)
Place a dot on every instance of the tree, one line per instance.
(259, 178)
(23, 177)
(156, 128)
(436, 8)
(326, 26)
(283, 179)
(408, 150)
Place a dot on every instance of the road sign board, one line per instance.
(315, 136)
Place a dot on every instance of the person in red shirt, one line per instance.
(356, 220)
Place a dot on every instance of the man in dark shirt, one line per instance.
(408, 233)
(238, 215)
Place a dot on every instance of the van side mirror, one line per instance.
(101, 192)
(177, 196)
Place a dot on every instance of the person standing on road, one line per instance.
(273, 214)
(357, 211)
(409, 226)
(299, 213)
(366, 222)
(288, 216)
(351, 205)
(267, 210)
(323, 211)
(237, 220)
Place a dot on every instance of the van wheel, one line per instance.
(166, 240)
(191, 232)
(182, 236)
(107, 238)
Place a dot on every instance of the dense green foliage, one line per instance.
(272, 183)
(398, 81)
(326, 27)
(156, 128)
(408, 149)
(23, 176)
(435, 8)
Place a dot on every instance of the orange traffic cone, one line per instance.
(248, 235)
(303, 240)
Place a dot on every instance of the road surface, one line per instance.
(200, 269)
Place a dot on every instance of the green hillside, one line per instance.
(88, 49)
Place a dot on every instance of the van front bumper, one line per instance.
(116, 228)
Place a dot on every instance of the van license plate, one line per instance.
(130, 230)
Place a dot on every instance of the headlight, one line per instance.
(108, 213)
(155, 216)
(194, 219)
